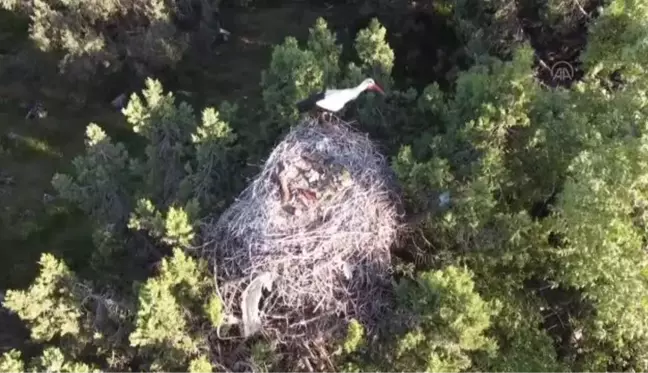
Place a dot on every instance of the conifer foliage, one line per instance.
(100, 36)
(538, 265)
(143, 208)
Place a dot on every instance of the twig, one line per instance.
(355, 225)
(582, 10)
(543, 64)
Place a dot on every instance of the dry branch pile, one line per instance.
(317, 225)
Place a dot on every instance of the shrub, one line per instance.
(98, 36)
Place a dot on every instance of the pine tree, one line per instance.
(447, 321)
(322, 42)
(167, 127)
(293, 75)
(111, 319)
(165, 324)
(50, 306)
(211, 180)
(374, 52)
(100, 183)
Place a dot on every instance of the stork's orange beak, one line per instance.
(377, 88)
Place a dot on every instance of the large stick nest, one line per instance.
(317, 223)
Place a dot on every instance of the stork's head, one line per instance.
(370, 85)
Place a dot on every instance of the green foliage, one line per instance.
(168, 129)
(53, 360)
(525, 346)
(355, 336)
(48, 307)
(178, 228)
(293, 75)
(175, 229)
(99, 184)
(373, 50)
(101, 37)
(442, 326)
(451, 321)
(603, 252)
(163, 323)
(215, 152)
(322, 43)
(147, 217)
(214, 310)
(488, 27)
(200, 365)
(179, 178)
(420, 176)
(617, 41)
(539, 264)
(186, 161)
(596, 251)
(564, 16)
(510, 146)
(395, 119)
(264, 356)
(11, 362)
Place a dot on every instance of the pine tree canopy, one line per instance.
(515, 204)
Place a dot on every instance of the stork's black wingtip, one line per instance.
(303, 106)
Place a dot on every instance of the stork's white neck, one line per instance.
(363, 86)
(359, 89)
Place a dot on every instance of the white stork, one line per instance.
(334, 100)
